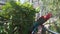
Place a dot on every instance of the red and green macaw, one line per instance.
(40, 21)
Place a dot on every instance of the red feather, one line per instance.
(46, 17)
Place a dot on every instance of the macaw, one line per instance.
(40, 21)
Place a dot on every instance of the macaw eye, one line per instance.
(44, 16)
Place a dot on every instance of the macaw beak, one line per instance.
(49, 15)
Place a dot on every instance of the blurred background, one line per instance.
(17, 16)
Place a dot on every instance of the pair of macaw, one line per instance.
(40, 21)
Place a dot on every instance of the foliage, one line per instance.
(53, 6)
(21, 16)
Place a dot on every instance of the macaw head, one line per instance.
(46, 17)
